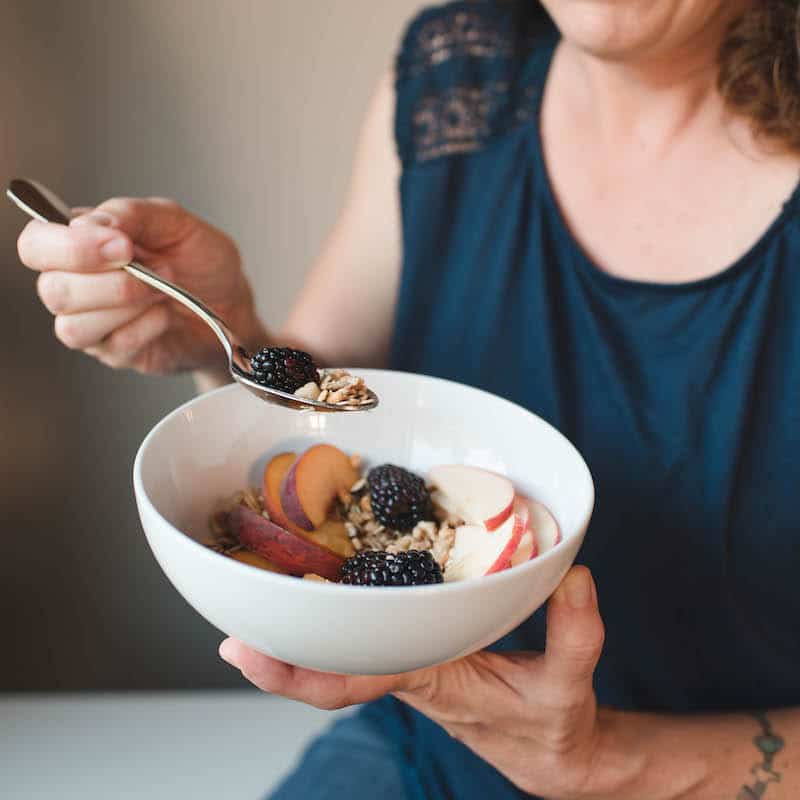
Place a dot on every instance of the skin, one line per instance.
(630, 111)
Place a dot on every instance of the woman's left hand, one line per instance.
(531, 715)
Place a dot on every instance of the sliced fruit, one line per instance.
(274, 473)
(543, 524)
(333, 535)
(255, 560)
(477, 496)
(312, 484)
(528, 545)
(477, 552)
(527, 549)
(290, 552)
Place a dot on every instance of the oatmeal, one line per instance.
(326, 516)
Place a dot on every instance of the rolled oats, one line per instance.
(340, 387)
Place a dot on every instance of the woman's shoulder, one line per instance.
(465, 73)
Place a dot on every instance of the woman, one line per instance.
(598, 219)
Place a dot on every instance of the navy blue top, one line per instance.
(683, 398)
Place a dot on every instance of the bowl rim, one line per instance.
(279, 579)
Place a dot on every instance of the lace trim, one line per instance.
(464, 33)
(462, 119)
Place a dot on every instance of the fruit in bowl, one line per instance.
(317, 516)
(201, 455)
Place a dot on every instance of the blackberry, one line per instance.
(376, 568)
(399, 498)
(283, 368)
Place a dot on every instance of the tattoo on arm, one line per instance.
(769, 744)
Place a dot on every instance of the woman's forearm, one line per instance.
(739, 756)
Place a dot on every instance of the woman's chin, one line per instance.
(621, 30)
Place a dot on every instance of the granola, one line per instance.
(222, 539)
(336, 386)
(366, 533)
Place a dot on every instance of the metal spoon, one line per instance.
(43, 204)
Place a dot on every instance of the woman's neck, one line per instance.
(647, 100)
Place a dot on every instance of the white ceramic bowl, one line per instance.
(219, 442)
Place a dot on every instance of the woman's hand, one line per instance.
(120, 321)
(533, 716)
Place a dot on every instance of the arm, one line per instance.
(534, 717)
(734, 756)
(343, 315)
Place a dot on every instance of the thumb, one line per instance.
(575, 630)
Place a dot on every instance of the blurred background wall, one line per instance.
(244, 111)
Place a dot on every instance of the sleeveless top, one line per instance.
(682, 398)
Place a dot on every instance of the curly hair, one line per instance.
(759, 70)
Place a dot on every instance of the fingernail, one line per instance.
(94, 218)
(225, 651)
(115, 250)
(578, 588)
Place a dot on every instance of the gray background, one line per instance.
(246, 112)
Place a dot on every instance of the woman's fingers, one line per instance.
(320, 689)
(103, 237)
(575, 631)
(46, 246)
(126, 346)
(90, 328)
(153, 223)
(75, 292)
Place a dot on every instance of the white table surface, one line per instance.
(231, 745)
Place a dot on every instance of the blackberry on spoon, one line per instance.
(283, 368)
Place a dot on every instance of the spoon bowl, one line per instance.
(45, 205)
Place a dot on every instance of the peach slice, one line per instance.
(274, 474)
(333, 535)
(255, 560)
(290, 552)
(312, 483)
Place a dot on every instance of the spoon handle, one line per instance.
(43, 204)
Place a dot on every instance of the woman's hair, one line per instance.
(759, 75)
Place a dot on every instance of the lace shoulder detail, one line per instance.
(466, 73)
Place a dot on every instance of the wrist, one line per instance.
(615, 769)
(635, 757)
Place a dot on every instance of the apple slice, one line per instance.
(527, 549)
(477, 552)
(294, 554)
(543, 524)
(477, 496)
(312, 483)
(274, 473)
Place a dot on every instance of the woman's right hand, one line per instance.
(117, 319)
